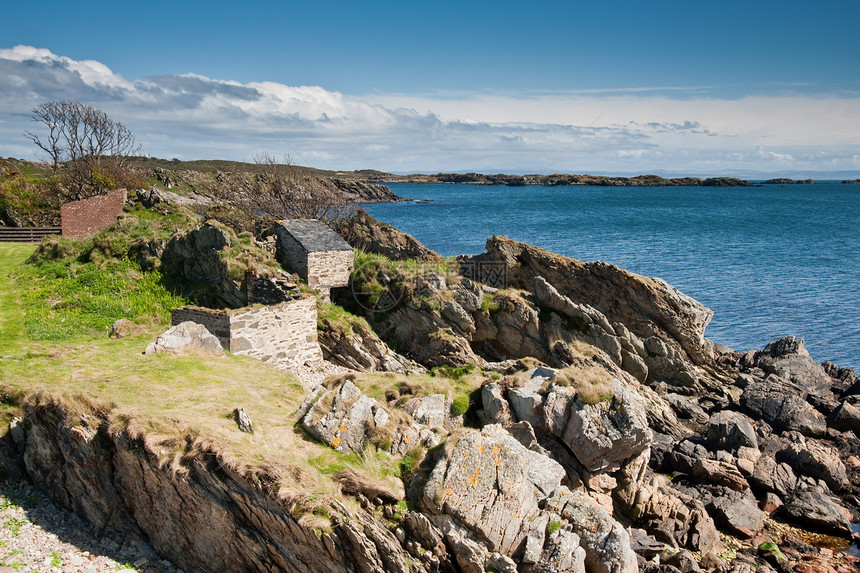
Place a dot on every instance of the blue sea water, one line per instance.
(769, 260)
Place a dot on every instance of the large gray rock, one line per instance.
(433, 411)
(815, 510)
(605, 435)
(846, 418)
(781, 404)
(492, 484)
(606, 542)
(562, 553)
(342, 418)
(816, 460)
(772, 476)
(185, 337)
(739, 514)
(788, 359)
(729, 430)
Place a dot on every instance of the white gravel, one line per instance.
(37, 535)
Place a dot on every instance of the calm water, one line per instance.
(770, 261)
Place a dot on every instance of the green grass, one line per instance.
(66, 299)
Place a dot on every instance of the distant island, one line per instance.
(787, 181)
(373, 176)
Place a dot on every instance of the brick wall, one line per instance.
(89, 216)
(329, 268)
(284, 335)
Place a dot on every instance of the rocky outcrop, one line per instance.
(198, 512)
(645, 306)
(194, 258)
(353, 345)
(369, 235)
(343, 417)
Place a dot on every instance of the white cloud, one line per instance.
(193, 116)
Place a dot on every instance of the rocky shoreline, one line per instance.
(547, 415)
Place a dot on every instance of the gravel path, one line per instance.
(37, 535)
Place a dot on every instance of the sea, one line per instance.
(769, 260)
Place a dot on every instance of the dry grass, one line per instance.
(591, 383)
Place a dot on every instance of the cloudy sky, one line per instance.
(585, 87)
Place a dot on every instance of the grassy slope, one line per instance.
(169, 398)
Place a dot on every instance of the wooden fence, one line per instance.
(27, 234)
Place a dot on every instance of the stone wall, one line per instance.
(329, 268)
(284, 334)
(290, 253)
(89, 216)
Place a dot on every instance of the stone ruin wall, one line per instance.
(284, 335)
(329, 268)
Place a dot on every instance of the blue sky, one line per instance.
(684, 87)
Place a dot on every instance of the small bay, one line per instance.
(769, 260)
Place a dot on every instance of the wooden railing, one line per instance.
(27, 234)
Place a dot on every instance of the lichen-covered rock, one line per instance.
(561, 554)
(603, 436)
(433, 411)
(606, 542)
(185, 337)
(489, 482)
(342, 417)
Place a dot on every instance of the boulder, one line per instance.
(495, 408)
(781, 404)
(342, 417)
(788, 359)
(433, 411)
(729, 430)
(687, 409)
(602, 436)
(738, 514)
(772, 476)
(815, 510)
(845, 418)
(816, 460)
(185, 337)
(489, 482)
(562, 552)
(606, 542)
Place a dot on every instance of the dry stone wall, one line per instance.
(284, 334)
(329, 268)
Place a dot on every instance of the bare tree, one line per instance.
(91, 145)
(285, 192)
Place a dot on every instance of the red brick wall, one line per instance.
(89, 216)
